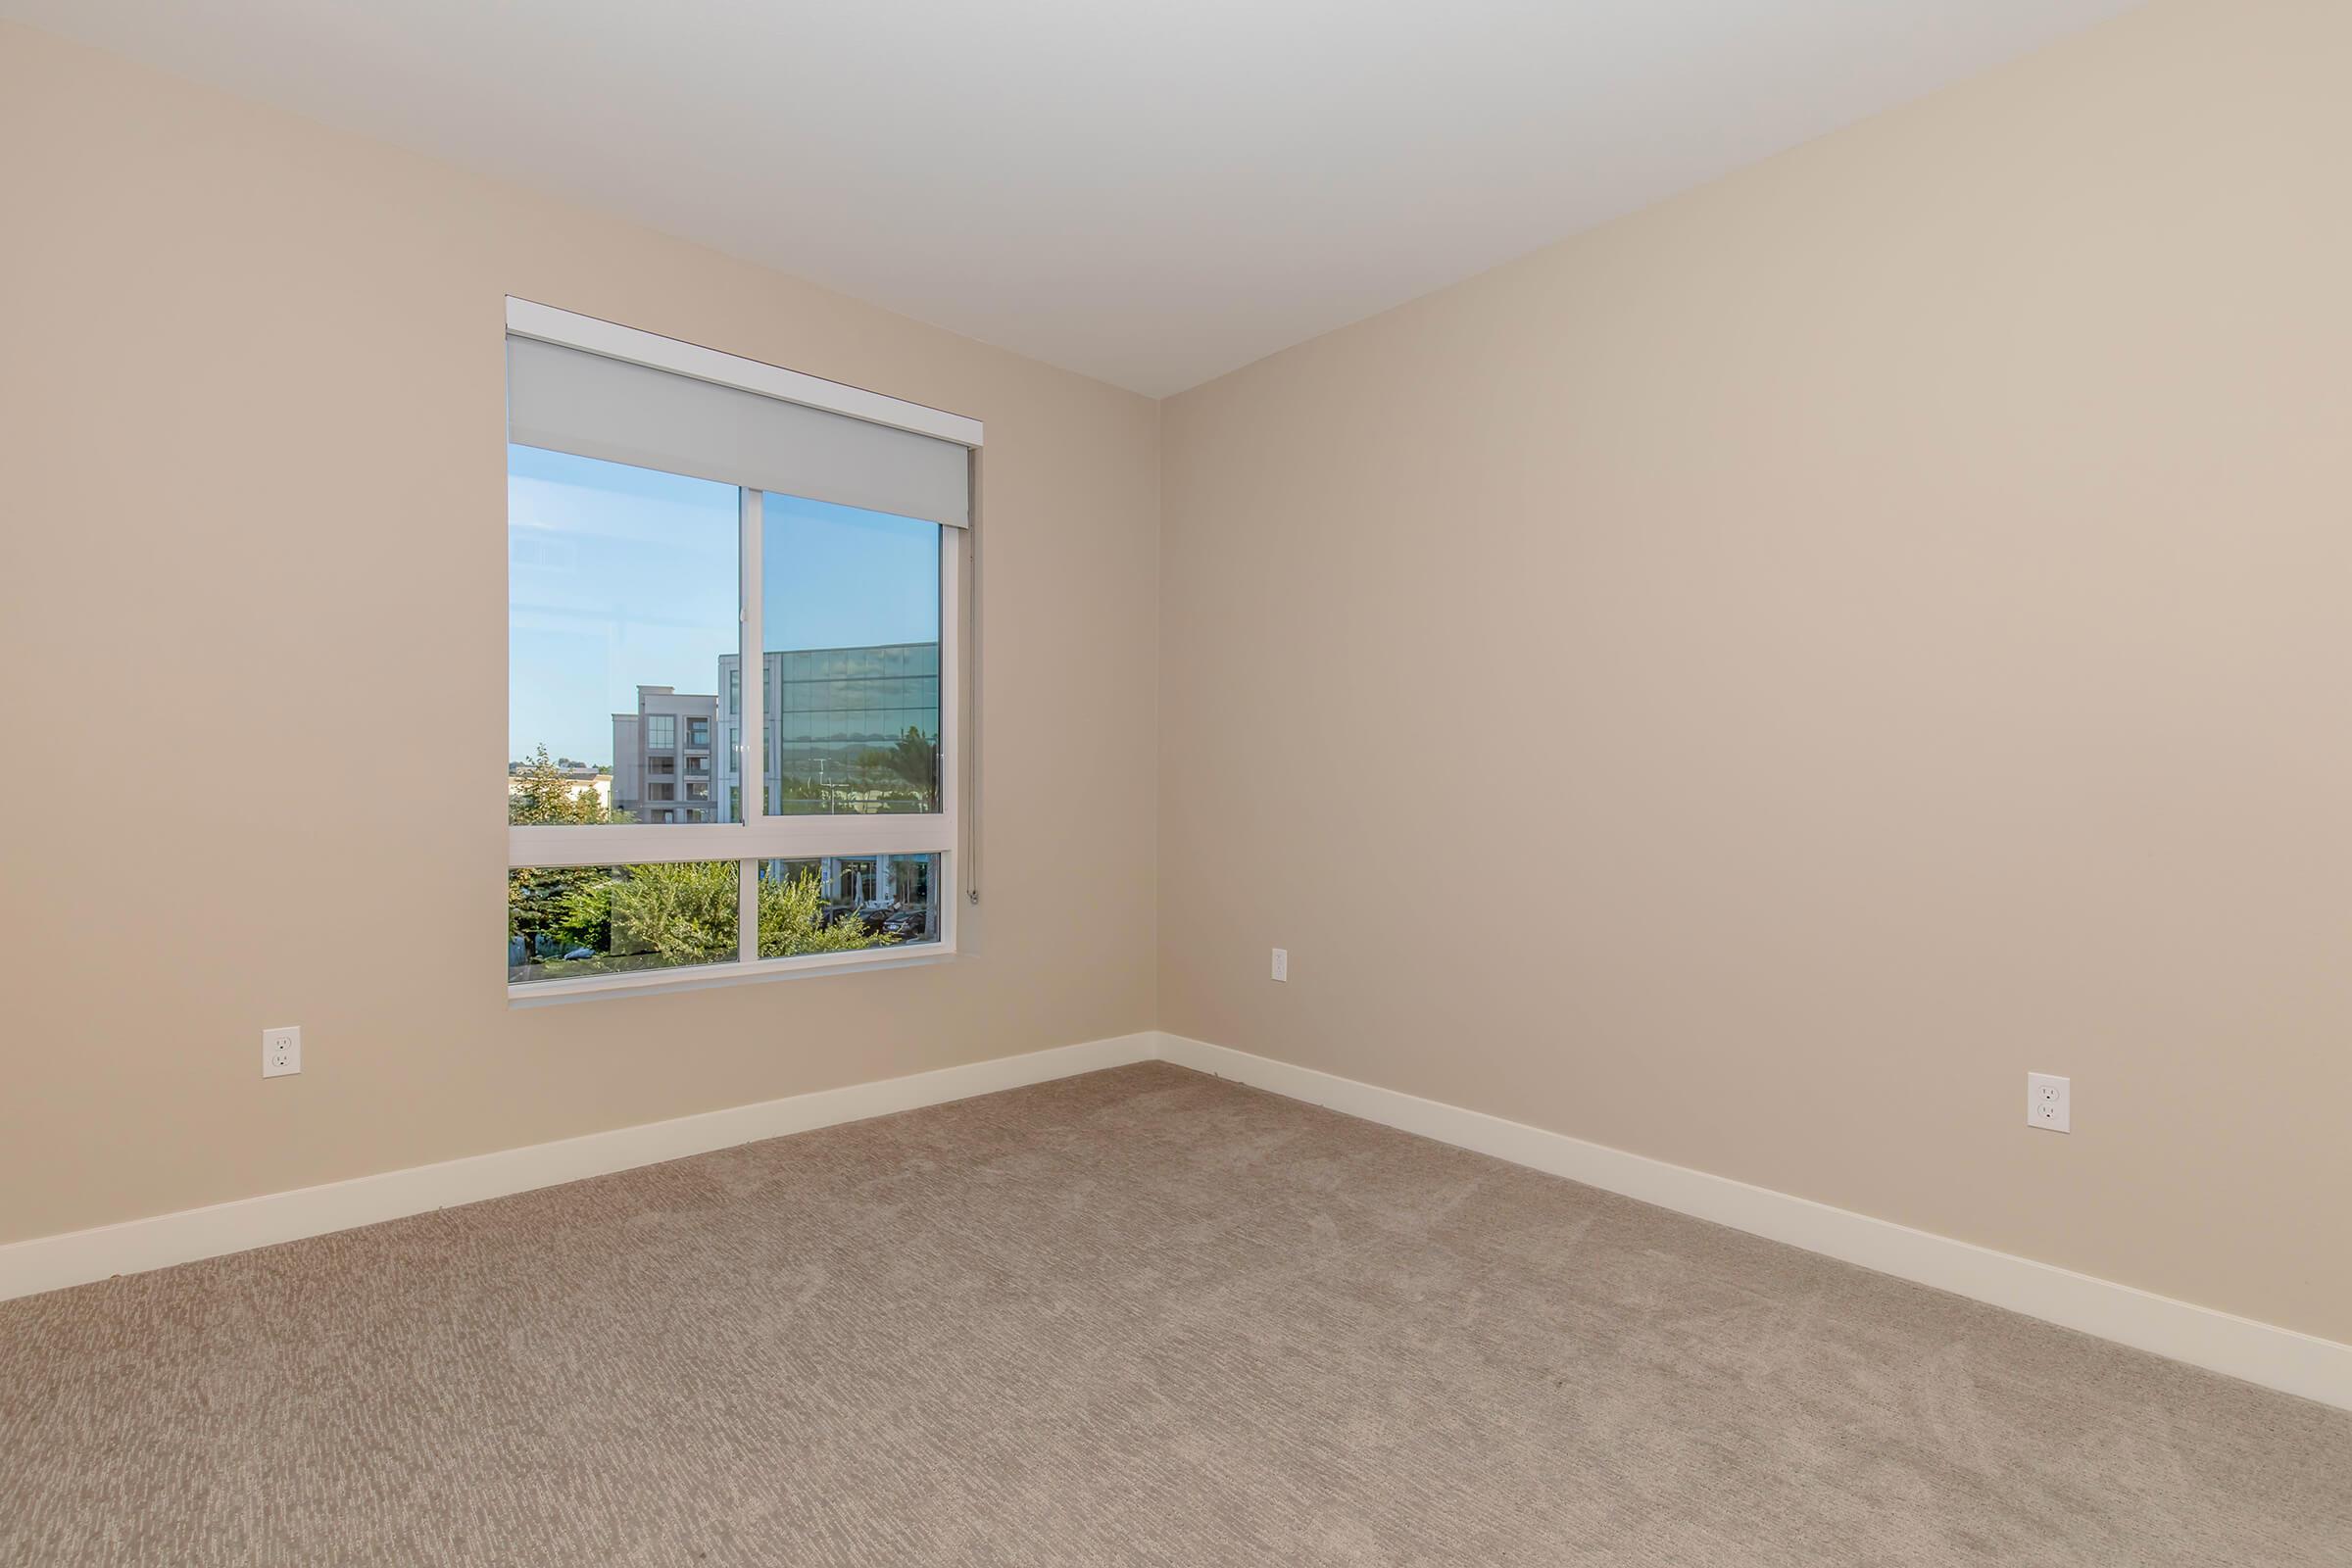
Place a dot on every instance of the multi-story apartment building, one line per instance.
(662, 769)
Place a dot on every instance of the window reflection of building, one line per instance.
(848, 729)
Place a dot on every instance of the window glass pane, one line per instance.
(609, 919)
(621, 615)
(844, 903)
(849, 615)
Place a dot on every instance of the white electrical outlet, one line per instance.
(2049, 1102)
(281, 1051)
(1282, 963)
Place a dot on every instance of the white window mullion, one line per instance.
(746, 913)
(751, 767)
(951, 670)
(777, 838)
(949, 869)
(635, 844)
(852, 833)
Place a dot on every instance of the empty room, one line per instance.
(1141, 785)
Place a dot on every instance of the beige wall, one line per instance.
(251, 390)
(1748, 684)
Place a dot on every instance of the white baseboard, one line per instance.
(52, 1262)
(2259, 1352)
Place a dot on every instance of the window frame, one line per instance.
(943, 833)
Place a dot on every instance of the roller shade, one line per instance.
(593, 406)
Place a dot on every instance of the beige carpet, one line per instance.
(1138, 1317)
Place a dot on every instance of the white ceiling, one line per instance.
(1150, 191)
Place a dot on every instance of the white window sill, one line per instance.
(702, 977)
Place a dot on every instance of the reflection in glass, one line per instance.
(845, 902)
(568, 922)
(850, 679)
(620, 609)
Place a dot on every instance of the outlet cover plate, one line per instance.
(281, 1051)
(2049, 1102)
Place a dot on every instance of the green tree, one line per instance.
(540, 796)
(581, 914)
(915, 759)
(566, 904)
(791, 921)
(682, 913)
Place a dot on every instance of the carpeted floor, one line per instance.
(1143, 1316)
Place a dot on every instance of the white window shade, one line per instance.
(593, 406)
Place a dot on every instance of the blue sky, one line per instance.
(619, 577)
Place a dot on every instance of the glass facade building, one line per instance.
(848, 729)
